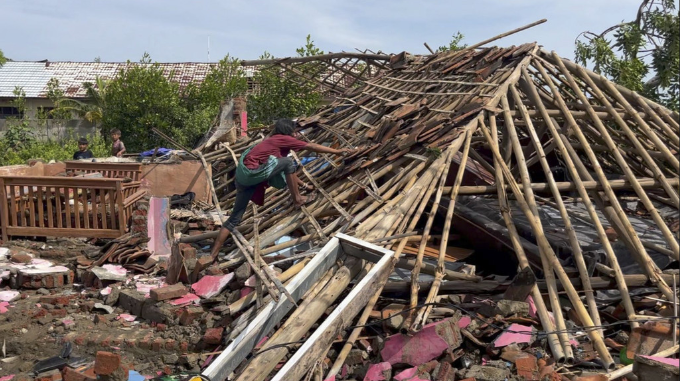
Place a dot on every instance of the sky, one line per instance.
(182, 30)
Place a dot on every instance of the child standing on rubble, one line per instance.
(117, 148)
(267, 163)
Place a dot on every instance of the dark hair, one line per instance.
(284, 127)
(115, 131)
(82, 141)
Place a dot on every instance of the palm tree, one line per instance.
(93, 110)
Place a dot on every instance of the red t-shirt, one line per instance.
(277, 146)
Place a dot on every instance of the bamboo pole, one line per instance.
(573, 239)
(531, 201)
(650, 267)
(423, 242)
(300, 321)
(634, 139)
(257, 257)
(574, 173)
(646, 183)
(579, 308)
(542, 311)
(422, 315)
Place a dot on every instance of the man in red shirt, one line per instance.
(265, 164)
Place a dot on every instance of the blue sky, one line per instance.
(178, 31)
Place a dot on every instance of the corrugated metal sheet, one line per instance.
(33, 76)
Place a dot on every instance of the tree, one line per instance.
(642, 55)
(93, 109)
(224, 81)
(454, 44)
(141, 97)
(282, 93)
(3, 59)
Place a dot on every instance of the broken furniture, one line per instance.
(66, 206)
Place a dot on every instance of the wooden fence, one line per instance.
(108, 170)
(66, 206)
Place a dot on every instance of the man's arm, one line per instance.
(323, 149)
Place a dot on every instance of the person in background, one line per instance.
(83, 152)
(117, 148)
(267, 163)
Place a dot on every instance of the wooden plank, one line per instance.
(95, 211)
(86, 208)
(76, 206)
(342, 315)
(112, 208)
(31, 206)
(58, 216)
(41, 207)
(62, 232)
(13, 204)
(4, 212)
(63, 181)
(22, 206)
(102, 202)
(121, 208)
(272, 314)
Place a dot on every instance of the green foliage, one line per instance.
(224, 81)
(283, 94)
(50, 150)
(454, 44)
(140, 98)
(18, 133)
(630, 52)
(93, 109)
(3, 59)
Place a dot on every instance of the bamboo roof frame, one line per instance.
(521, 103)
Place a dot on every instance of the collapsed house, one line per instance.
(501, 204)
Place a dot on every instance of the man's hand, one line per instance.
(346, 151)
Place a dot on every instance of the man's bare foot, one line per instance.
(304, 200)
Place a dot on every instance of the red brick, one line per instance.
(168, 292)
(160, 327)
(41, 312)
(72, 375)
(170, 344)
(446, 372)
(53, 375)
(189, 315)
(527, 367)
(157, 344)
(213, 336)
(57, 300)
(80, 340)
(145, 343)
(106, 363)
(58, 312)
(106, 341)
(189, 252)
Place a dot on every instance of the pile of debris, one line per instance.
(506, 213)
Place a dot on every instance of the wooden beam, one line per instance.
(272, 314)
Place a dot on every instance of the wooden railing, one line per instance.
(108, 170)
(66, 206)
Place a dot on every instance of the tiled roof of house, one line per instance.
(34, 76)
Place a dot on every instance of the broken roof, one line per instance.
(519, 113)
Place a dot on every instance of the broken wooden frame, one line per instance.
(342, 316)
(47, 206)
